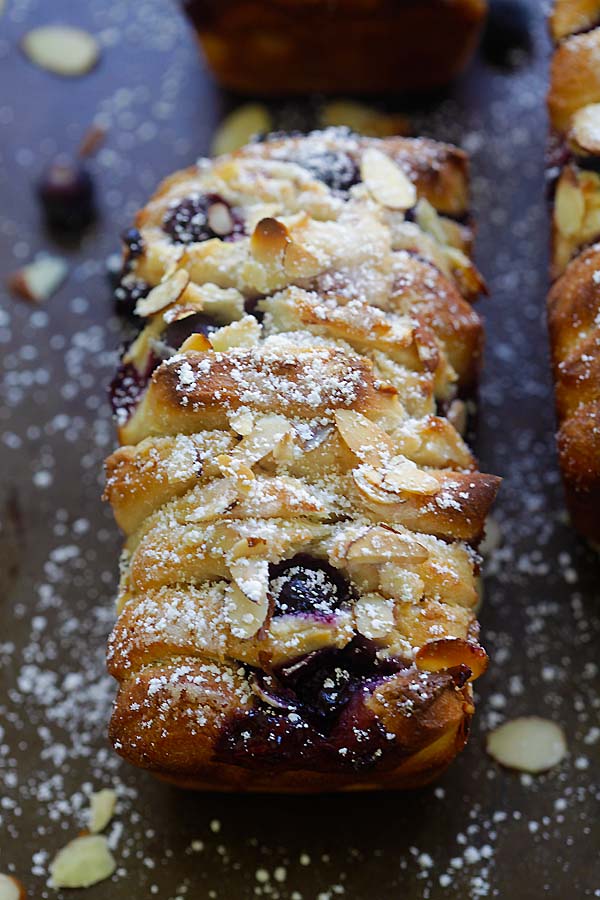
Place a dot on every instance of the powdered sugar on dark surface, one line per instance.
(481, 831)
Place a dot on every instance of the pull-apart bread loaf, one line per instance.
(574, 301)
(296, 606)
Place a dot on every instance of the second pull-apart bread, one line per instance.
(299, 581)
(574, 301)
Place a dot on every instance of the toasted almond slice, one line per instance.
(138, 353)
(468, 278)
(62, 49)
(248, 547)
(366, 439)
(569, 204)
(102, 808)
(529, 744)
(267, 433)
(164, 294)
(374, 616)
(216, 497)
(252, 577)
(402, 474)
(236, 469)
(386, 181)
(299, 262)
(83, 862)
(449, 652)
(243, 333)
(242, 421)
(196, 342)
(245, 616)
(427, 218)
(363, 119)
(239, 126)
(11, 889)
(39, 280)
(368, 480)
(585, 129)
(381, 544)
(269, 241)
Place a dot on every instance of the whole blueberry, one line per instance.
(66, 193)
(304, 584)
(202, 217)
(507, 40)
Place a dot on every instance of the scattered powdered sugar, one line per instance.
(481, 832)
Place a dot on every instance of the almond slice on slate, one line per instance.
(10, 888)
(38, 280)
(102, 808)
(528, 744)
(62, 49)
(82, 863)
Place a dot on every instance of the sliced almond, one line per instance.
(216, 498)
(243, 333)
(267, 433)
(39, 280)
(467, 276)
(83, 862)
(11, 889)
(450, 652)
(102, 808)
(236, 469)
(569, 204)
(248, 547)
(381, 544)
(198, 343)
(427, 218)
(585, 129)
(299, 262)
(363, 119)
(245, 616)
(62, 49)
(366, 439)
(242, 422)
(252, 577)
(164, 294)
(242, 124)
(374, 616)
(402, 474)
(386, 182)
(269, 241)
(219, 219)
(529, 744)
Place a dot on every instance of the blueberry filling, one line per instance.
(335, 169)
(128, 385)
(127, 293)
(307, 585)
(202, 217)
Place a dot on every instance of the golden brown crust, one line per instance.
(573, 16)
(574, 78)
(574, 301)
(296, 512)
(341, 46)
(573, 311)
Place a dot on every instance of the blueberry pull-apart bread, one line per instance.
(353, 46)
(574, 301)
(299, 580)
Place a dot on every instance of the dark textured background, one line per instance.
(481, 831)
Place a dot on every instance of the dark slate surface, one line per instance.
(481, 831)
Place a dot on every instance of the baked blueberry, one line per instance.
(66, 192)
(507, 40)
(304, 584)
(126, 388)
(202, 217)
(337, 170)
(127, 293)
